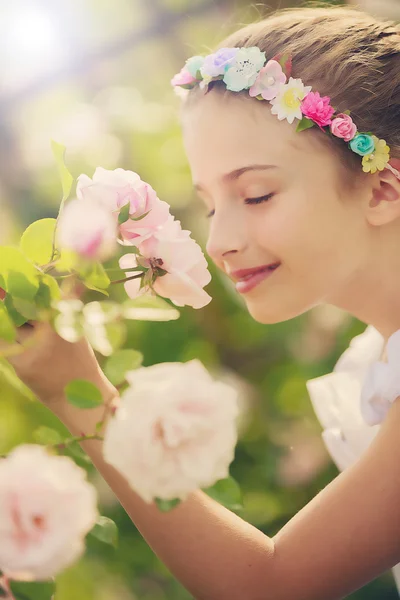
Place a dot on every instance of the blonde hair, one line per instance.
(343, 53)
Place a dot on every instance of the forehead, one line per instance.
(223, 132)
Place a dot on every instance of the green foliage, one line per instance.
(7, 329)
(83, 394)
(37, 241)
(46, 436)
(166, 505)
(38, 590)
(227, 492)
(120, 363)
(66, 177)
(106, 531)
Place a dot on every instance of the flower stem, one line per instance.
(82, 438)
(128, 278)
(4, 584)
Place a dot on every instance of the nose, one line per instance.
(228, 234)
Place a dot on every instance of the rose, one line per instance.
(173, 250)
(115, 189)
(174, 432)
(317, 108)
(343, 127)
(46, 508)
(362, 144)
(88, 229)
(217, 63)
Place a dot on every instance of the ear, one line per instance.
(384, 202)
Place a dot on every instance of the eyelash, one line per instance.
(248, 201)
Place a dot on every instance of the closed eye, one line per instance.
(248, 201)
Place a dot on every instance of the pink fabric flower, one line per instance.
(317, 108)
(173, 250)
(114, 189)
(269, 80)
(183, 78)
(343, 127)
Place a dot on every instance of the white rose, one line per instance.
(46, 508)
(174, 432)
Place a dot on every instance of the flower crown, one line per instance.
(247, 69)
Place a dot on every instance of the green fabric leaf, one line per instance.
(227, 492)
(83, 394)
(120, 363)
(305, 123)
(106, 531)
(149, 308)
(33, 590)
(37, 241)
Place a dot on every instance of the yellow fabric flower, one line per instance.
(378, 159)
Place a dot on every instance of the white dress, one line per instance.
(336, 398)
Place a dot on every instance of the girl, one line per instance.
(320, 214)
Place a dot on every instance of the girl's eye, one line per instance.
(248, 201)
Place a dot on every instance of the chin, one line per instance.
(270, 315)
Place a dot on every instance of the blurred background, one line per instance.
(94, 75)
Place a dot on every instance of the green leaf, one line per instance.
(3, 593)
(305, 123)
(48, 292)
(83, 394)
(123, 215)
(26, 309)
(33, 590)
(166, 505)
(227, 492)
(120, 363)
(95, 277)
(7, 330)
(66, 177)
(149, 308)
(37, 241)
(141, 216)
(106, 531)
(46, 436)
(19, 276)
(14, 315)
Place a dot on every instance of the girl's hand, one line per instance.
(46, 363)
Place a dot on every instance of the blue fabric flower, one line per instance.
(194, 65)
(244, 70)
(362, 144)
(217, 63)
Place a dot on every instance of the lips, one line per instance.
(244, 274)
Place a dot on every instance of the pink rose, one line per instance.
(183, 78)
(88, 229)
(173, 250)
(114, 189)
(317, 108)
(47, 507)
(174, 431)
(343, 126)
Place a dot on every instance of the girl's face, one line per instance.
(238, 150)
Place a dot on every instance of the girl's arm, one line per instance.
(345, 537)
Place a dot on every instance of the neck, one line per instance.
(373, 293)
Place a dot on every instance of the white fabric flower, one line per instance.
(382, 384)
(46, 509)
(174, 432)
(287, 103)
(244, 70)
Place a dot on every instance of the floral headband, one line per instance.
(247, 69)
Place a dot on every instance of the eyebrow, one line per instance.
(234, 175)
